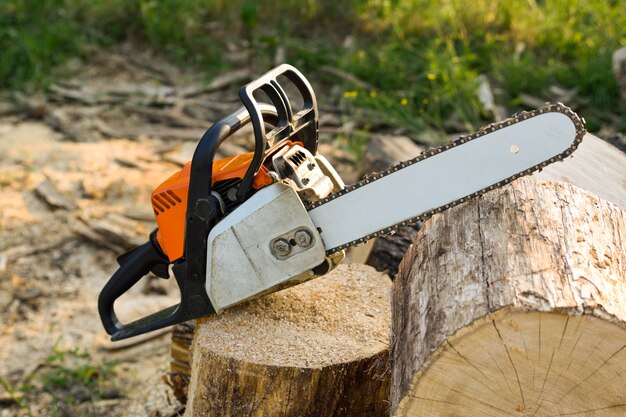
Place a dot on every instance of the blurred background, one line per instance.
(421, 63)
(101, 100)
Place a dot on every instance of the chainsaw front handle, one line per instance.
(304, 122)
(133, 267)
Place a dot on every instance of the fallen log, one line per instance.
(316, 349)
(513, 304)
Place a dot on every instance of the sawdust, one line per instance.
(341, 317)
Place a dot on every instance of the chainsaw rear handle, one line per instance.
(134, 266)
(189, 274)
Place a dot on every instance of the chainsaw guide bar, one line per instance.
(329, 223)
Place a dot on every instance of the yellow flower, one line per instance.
(404, 101)
(431, 76)
(350, 94)
(373, 94)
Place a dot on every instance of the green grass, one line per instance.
(522, 47)
(16, 393)
(34, 37)
(423, 58)
(72, 367)
(63, 371)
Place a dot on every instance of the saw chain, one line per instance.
(516, 118)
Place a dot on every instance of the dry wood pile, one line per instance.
(129, 110)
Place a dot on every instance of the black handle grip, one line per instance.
(134, 266)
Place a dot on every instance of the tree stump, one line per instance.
(180, 359)
(317, 349)
(514, 304)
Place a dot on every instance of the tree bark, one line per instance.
(180, 359)
(514, 304)
(316, 349)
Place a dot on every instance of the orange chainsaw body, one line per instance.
(169, 200)
(205, 193)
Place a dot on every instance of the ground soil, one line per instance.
(49, 297)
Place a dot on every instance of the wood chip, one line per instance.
(7, 108)
(96, 238)
(161, 131)
(35, 107)
(115, 231)
(170, 117)
(59, 120)
(77, 95)
(49, 193)
(20, 251)
(102, 127)
(232, 77)
(117, 235)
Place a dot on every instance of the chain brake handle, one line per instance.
(304, 123)
(203, 208)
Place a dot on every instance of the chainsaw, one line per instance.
(234, 229)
